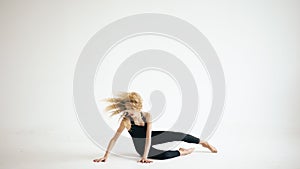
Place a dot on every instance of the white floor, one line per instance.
(48, 149)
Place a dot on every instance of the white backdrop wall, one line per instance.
(257, 43)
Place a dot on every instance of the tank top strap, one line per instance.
(131, 119)
(143, 117)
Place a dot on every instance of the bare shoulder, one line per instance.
(147, 115)
(124, 120)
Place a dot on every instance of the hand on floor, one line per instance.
(103, 159)
(145, 160)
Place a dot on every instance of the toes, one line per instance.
(212, 149)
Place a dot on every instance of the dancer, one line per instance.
(139, 126)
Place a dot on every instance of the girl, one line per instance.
(139, 126)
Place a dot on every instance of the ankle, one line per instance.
(203, 142)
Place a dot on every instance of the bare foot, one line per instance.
(210, 147)
(184, 151)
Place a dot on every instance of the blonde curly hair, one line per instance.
(117, 105)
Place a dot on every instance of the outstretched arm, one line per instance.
(148, 139)
(112, 143)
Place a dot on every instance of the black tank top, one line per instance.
(137, 131)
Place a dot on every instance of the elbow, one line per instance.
(114, 139)
(148, 140)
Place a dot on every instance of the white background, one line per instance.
(257, 43)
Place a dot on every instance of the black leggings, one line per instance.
(159, 137)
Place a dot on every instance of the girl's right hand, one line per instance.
(103, 159)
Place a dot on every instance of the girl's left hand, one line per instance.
(145, 160)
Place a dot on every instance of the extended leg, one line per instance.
(159, 137)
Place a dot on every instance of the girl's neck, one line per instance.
(138, 117)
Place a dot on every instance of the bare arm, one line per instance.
(112, 142)
(148, 138)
